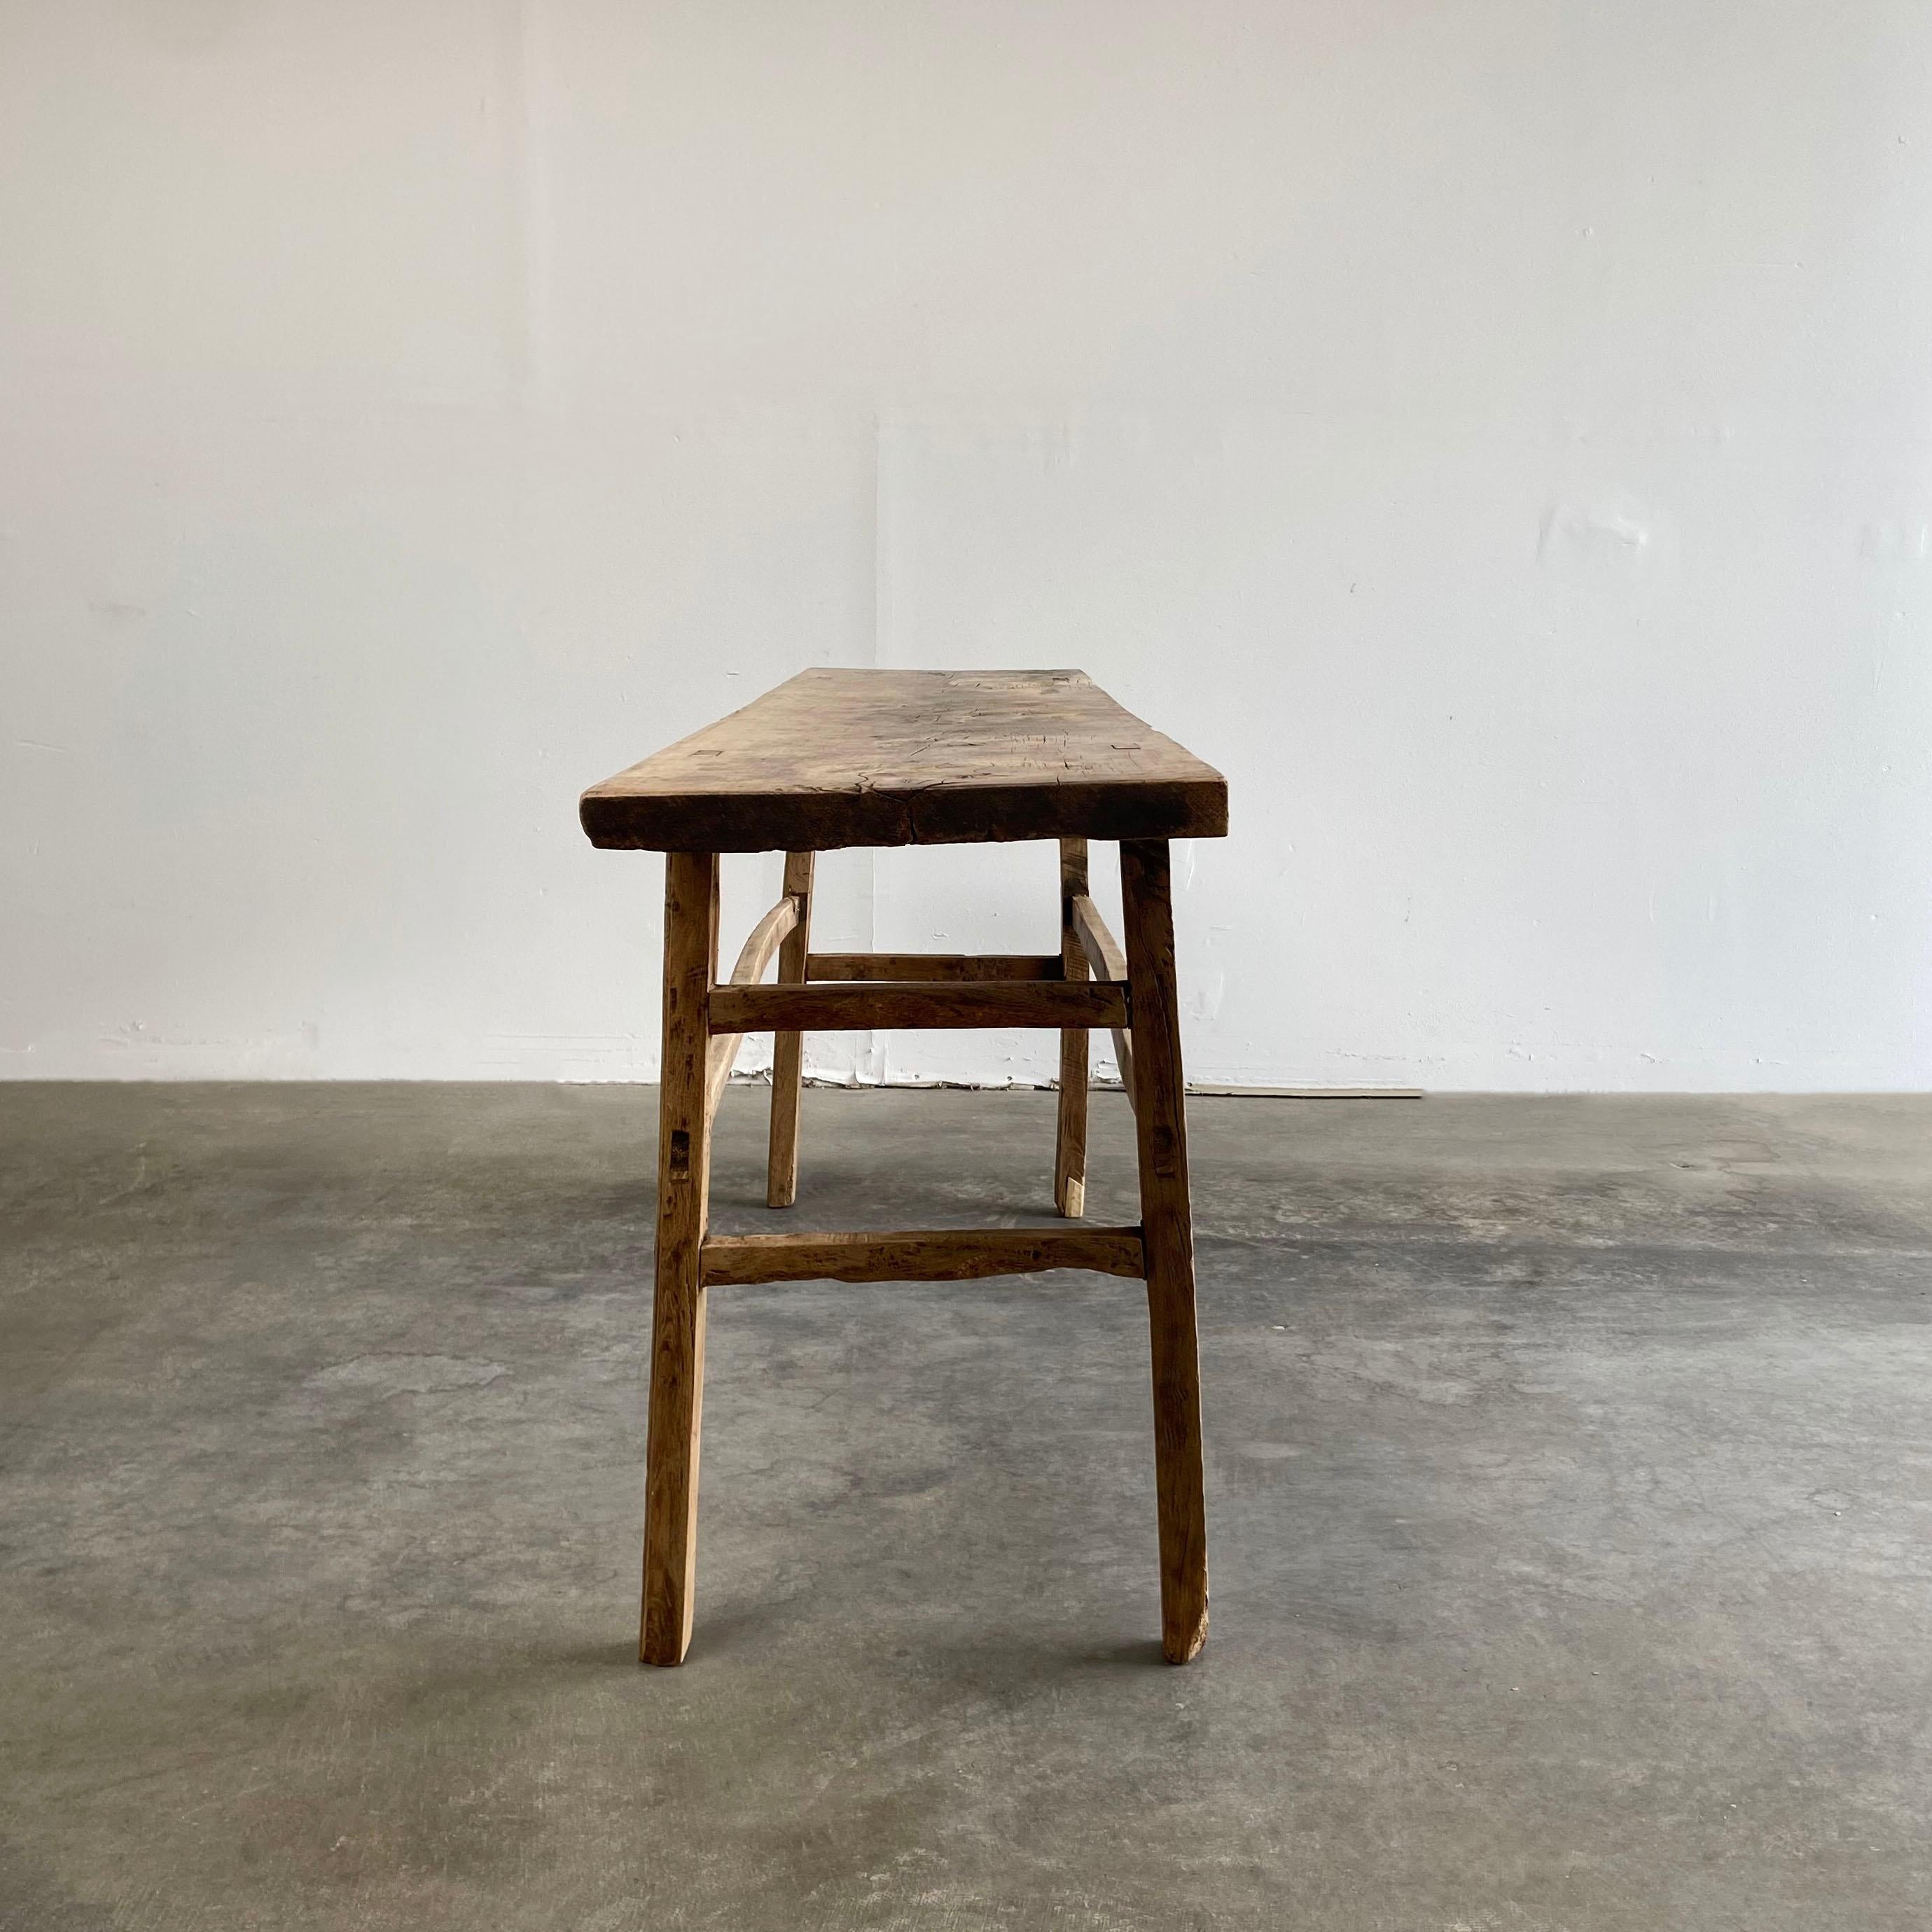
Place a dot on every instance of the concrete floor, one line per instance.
(1570, 1472)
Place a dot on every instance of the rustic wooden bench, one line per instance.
(836, 758)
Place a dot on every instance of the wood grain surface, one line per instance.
(1160, 1123)
(788, 1048)
(850, 966)
(1109, 962)
(833, 1008)
(1069, 1138)
(765, 939)
(837, 758)
(677, 1319)
(950, 1254)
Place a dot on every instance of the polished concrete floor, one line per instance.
(1569, 1471)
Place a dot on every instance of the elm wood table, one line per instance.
(836, 758)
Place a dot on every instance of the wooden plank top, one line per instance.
(831, 758)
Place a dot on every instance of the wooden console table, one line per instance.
(835, 758)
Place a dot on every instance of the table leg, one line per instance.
(677, 1324)
(788, 1048)
(1069, 1154)
(1167, 1224)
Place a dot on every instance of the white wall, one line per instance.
(1499, 434)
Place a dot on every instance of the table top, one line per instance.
(831, 758)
